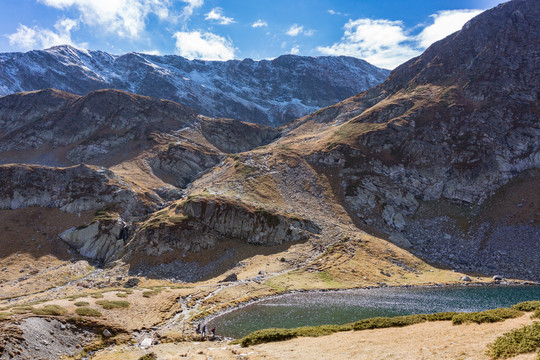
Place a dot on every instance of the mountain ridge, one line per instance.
(270, 92)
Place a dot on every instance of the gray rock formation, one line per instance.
(205, 221)
(73, 189)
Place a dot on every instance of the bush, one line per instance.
(536, 314)
(275, 334)
(115, 304)
(97, 296)
(151, 293)
(518, 341)
(527, 305)
(86, 311)
(81, 303)
(268, 335)
(149, 356)
(55, 310)
(488, 316)
(122, 295)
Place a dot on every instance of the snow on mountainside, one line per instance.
(269, 92)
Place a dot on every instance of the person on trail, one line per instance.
(214, 332)
(204, 330)
(198, 330)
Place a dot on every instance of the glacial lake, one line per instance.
(345, 306)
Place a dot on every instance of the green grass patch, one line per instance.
(151, 293)
(55, 310)
(536, 314)
(488, 316)
(527, 305)
(122, 295)
(4, 315)
(115, 304)
(275, 334)
(87, 311)
(97, 295)
(22, 309)
(81, 303)
(518, 341)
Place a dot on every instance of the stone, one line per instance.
(230, 278)
(107, 333)
(498, 278)
(147, 342)
(131, 282)
(465, 278)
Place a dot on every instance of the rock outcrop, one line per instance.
(201, 222)
(73, 189)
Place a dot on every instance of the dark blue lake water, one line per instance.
(340, 307)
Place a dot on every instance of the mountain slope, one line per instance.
(269, 92)
(426, 155)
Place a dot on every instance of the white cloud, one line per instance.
(203, 45)
(26, 38)
(380, 42)
(150, 52)
(387, 43)
(294, 30)
(190, 7)
(124, 17)
(445, 23)
(259, 23)
(216, 15)
(295, 50)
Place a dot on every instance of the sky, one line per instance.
(385, 33)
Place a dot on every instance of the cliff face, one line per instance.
(72, 189)
(265, 92)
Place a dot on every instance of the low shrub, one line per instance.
(149, 356)
(536, 314)
(97, 295)
(268, 335)
(122, 295)
(22, 309)
(86, 311)
(527, 305)
(488, 316)
(151, 293)
(275, 334)
(81, 303)
(55, 310)
(519, 341)
(115, 304)
(4, 316)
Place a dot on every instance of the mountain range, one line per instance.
(270, 92)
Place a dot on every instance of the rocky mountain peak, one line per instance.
(268, 92)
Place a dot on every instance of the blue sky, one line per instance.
(383, 32)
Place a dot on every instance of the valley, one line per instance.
(129, 217)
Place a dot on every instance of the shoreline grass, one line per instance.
(487, 316)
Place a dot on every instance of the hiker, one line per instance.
(198, 330)
(214, 332)
(204, 330)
